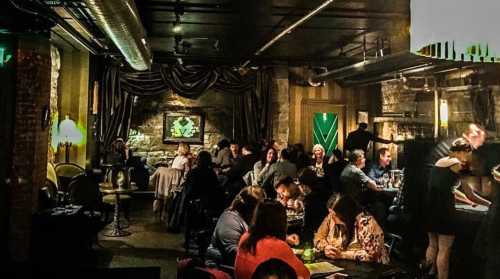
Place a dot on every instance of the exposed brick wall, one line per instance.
(30, 140)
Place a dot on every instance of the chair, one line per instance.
(65, 172)
(195, 268)
(84, 190)
(391, 241)
(199, 227)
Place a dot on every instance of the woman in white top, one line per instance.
(167, 181)
(182, 161)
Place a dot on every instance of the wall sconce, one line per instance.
(443, 113)
(68, 135)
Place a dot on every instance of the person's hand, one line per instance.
(332, 252)
(293, 239)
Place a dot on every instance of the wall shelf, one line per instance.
(416, 120)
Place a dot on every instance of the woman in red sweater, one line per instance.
(266, 240)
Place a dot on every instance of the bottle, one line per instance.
(308, 255)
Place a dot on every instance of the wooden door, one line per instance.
(310, 108)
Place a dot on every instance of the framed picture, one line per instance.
(362, 117)
(183, 127)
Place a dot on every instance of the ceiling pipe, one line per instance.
(360, 67)
(120, 21)
(288, 30)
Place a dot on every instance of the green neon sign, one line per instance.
(4, 56)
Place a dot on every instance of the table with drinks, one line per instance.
(321, 267)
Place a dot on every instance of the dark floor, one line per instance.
(149, 245)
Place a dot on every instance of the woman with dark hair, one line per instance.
(223, 157)
(349, 233)
(442, 192)
(266, 239)
(233, 223)
(263, 171)
(316, 196)
(201, 183)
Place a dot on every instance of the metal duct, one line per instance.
(120, 20)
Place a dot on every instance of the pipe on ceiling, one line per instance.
(119, 19)
(289, 29)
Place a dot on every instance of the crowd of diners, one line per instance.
(250, 189)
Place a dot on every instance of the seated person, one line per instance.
(266, 240)
(381, 167)
(316, 196)
(289, 194)
(233, 223)
(379, 172)
(349, 233)
(274, 269)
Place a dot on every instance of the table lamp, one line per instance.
(68, 135)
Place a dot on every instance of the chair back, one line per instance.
(65, 172)
(84, 191)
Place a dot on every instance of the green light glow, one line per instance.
(4, 56)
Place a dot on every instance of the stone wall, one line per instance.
(280, 100)
(146, 138)
(456, 87)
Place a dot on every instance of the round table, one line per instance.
(107, 188)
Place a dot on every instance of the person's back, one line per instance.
(266, 248)
(358, 139)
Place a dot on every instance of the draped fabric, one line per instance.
(186, 81)
(252, 96)
(115, 108)
(253, 120)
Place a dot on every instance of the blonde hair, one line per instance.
(318, 146)
(183, 149)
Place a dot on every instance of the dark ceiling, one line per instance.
(229, 32)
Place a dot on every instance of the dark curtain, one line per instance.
(252, 94)
(115, 108)
(186, 81)
(253, 120)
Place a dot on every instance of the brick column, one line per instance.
(30, 139)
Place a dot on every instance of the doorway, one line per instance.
(323, 123)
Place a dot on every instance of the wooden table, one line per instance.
(107, 188)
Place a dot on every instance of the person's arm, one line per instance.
(472, 195)
(461, 197)
(368, 181)
(371, 238)
(260, 172)
(372, 174)
(320, 236)
(229, 235)
(378, 139)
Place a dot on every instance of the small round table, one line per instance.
(107, 188)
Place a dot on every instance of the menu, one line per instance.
(322, 268)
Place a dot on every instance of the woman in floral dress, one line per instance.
(349, 233)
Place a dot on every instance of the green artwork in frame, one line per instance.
(325, 130)
(183, 127)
